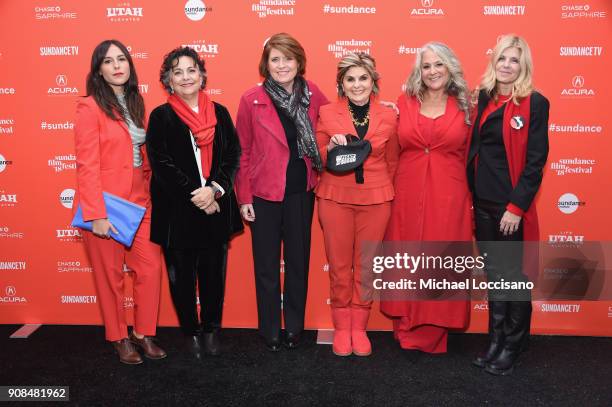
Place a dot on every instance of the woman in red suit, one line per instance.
(110, 155)
(432, 201)
(276, 124)
(354, 207)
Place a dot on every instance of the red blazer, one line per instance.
(104, 158)
(378, 168)
(265, 153)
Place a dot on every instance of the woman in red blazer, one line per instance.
(354, 207)
(276, 124)
(432, 199)
(109, 141)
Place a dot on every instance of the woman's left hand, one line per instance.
(390, 105)
(203, 197)
(213, 208)
(509, 223)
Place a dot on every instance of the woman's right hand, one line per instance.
(100, 228)
(247, 212)
(336, 140)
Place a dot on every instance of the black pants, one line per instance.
(207, 266)
(288, 221)
(509, 310)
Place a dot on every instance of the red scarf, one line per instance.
(201, 124)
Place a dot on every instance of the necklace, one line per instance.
(359, 123)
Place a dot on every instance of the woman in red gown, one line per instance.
(432, 199)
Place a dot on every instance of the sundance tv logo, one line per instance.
(124, 13)
(576, 166)
(265, 8)
(568, 203)
(78, 299)
(578, 89)
(427, 9)
(13, 265)
(62, 88)
(560, 308)
(11, 296)
(582, 51)
(203, 49)
(503, 10)
(195, 10)
(59, 51)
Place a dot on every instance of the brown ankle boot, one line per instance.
(127, 353)
(148, 346)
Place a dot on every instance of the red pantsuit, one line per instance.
(432, 203)
(105, 163)
(352, 213)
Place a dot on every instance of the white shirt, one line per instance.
(198, 157)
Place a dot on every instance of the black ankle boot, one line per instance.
(488, 354)
(504, 363)
(211, 343)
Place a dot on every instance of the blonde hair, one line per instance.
(523, 86)
(359, 60)
(456, 85)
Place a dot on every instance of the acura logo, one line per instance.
(61, 80)
(578, 81)
(427, 3)
(10, 291)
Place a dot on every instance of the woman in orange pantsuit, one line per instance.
(109, 141)
(432, 199)
(354, 207)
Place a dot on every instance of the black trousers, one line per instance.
(509, 310)
(288, 222)
(207, 267)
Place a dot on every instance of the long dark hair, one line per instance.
(103, 93)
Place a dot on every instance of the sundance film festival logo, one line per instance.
(195, 10)
(78, 299)
(72, 266)
(11, 296)
(59, 51)
(578, 89)
(568, 203)
(7, 200)
(561, 308)
(427, 9)
(203, 49)
(6, 125)
(342, 47)
(56, 126)
(577, 166)
(124, 13)
(581, 11)
(62, 88)
(348, 9)
(70, 234)
(67, 198)
(504, 10)
(7, 233)
(63, 162)
(265, 8)
(4, 163)
(53, 13)
(583, 51)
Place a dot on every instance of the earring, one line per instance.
(171, 90)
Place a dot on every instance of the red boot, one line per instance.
(359, 323)
(342, 331)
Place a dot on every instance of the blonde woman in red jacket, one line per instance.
(110, 155)
(354, 207)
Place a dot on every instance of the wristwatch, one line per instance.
(216, 191)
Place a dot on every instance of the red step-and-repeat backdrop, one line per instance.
(45, 49)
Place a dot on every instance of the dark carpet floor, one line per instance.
(556, 371)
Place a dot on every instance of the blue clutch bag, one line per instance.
(123, 214)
